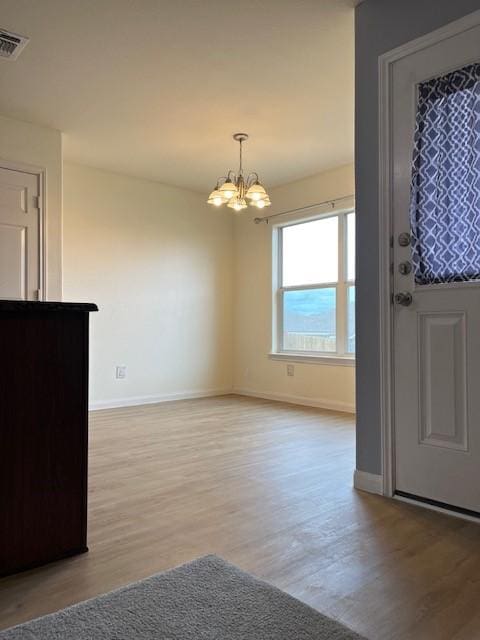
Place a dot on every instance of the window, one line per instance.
(315, 298)
(444, 209)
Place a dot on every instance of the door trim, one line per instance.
(40, 173)
(385, 181)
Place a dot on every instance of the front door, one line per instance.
(436, 271)
(19, 236)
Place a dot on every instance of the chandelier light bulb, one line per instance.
(237, 203)
(216, 198)
(237, 191)
(228, 189)
(262, 202)
(256, 191)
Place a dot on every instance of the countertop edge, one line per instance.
(33, 305)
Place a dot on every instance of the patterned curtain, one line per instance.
(445, 193)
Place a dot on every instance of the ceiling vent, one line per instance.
(11, 44)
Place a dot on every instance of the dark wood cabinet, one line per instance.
(43, 432)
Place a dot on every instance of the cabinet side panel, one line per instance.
(43, 437)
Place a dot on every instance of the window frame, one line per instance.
(341, 286)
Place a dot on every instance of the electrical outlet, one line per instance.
(121, 371)
(290, 370)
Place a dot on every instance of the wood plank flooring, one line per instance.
(267, 486)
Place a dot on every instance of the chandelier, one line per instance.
(236, 191)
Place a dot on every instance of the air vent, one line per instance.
(11, 44)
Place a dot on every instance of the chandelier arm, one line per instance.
(252, 178)
(229, 177)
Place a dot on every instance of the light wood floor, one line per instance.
(268, 486)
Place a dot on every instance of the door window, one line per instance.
(445, 191)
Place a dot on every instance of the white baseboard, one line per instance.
(369, 482)
(154, 399)
(320, 403)
(189, 395)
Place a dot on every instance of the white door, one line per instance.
(436, 114)
(19, 236)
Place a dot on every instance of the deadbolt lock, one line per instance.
(404, 239)
(405, 268)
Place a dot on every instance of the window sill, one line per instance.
(309, 358)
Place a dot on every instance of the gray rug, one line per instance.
(207, 599)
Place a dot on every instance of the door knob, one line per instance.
(404, 299)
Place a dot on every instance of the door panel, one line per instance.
(13, 197)
(443, 376)
(13, 262)
(19, 236)
(436, 360)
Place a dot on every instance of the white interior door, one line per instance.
(437, 330)
(19, 236)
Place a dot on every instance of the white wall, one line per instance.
(21, 142)
(322, 385)
(158, 262)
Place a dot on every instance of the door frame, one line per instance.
(385, 191)
(40, 173)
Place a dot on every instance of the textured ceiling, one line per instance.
(155, 88)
